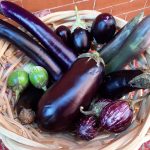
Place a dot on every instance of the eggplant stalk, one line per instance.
(78, 22)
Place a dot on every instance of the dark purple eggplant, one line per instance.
(31, 48)
(81, 40)
(116, 84)
(65, 34)
(60, 105)
(103, 28)
(81, 37)
(87, 129)
(53, 44)
(28, 104)
(116, 117)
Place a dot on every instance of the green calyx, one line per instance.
(93, 55)
(78, 22)
(95, 110)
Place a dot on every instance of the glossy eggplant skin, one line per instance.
(31, 48)
(116, 84)
(116, 117)
(29, 99)
(81, 40)
(60, 105)
(103, 28)
(65, 34)
(53, 44)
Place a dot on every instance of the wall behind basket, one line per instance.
(125, 9)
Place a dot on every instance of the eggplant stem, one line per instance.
(78, 22)
(93, 102)
(86, 112)
(77, 14)
(17, 92)
(44, 88)
(93, 55)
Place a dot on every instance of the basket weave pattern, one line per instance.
(20, 137)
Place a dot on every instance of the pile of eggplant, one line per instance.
(85, 86)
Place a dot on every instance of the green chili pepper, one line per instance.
(18, 80)
(39, 77)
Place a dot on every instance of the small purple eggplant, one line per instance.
(65, 34)
(81, 40)
(87, 128)
(81, 37)
(54, 46)
(116, 117)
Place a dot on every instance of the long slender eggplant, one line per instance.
(113, 47)
(137, 42)
(116, 84)
(60, 105)
(53, 44)
(31, 48)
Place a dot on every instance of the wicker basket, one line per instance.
(29, 137)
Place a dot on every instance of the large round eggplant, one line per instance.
(103, 28)
(60, 105)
